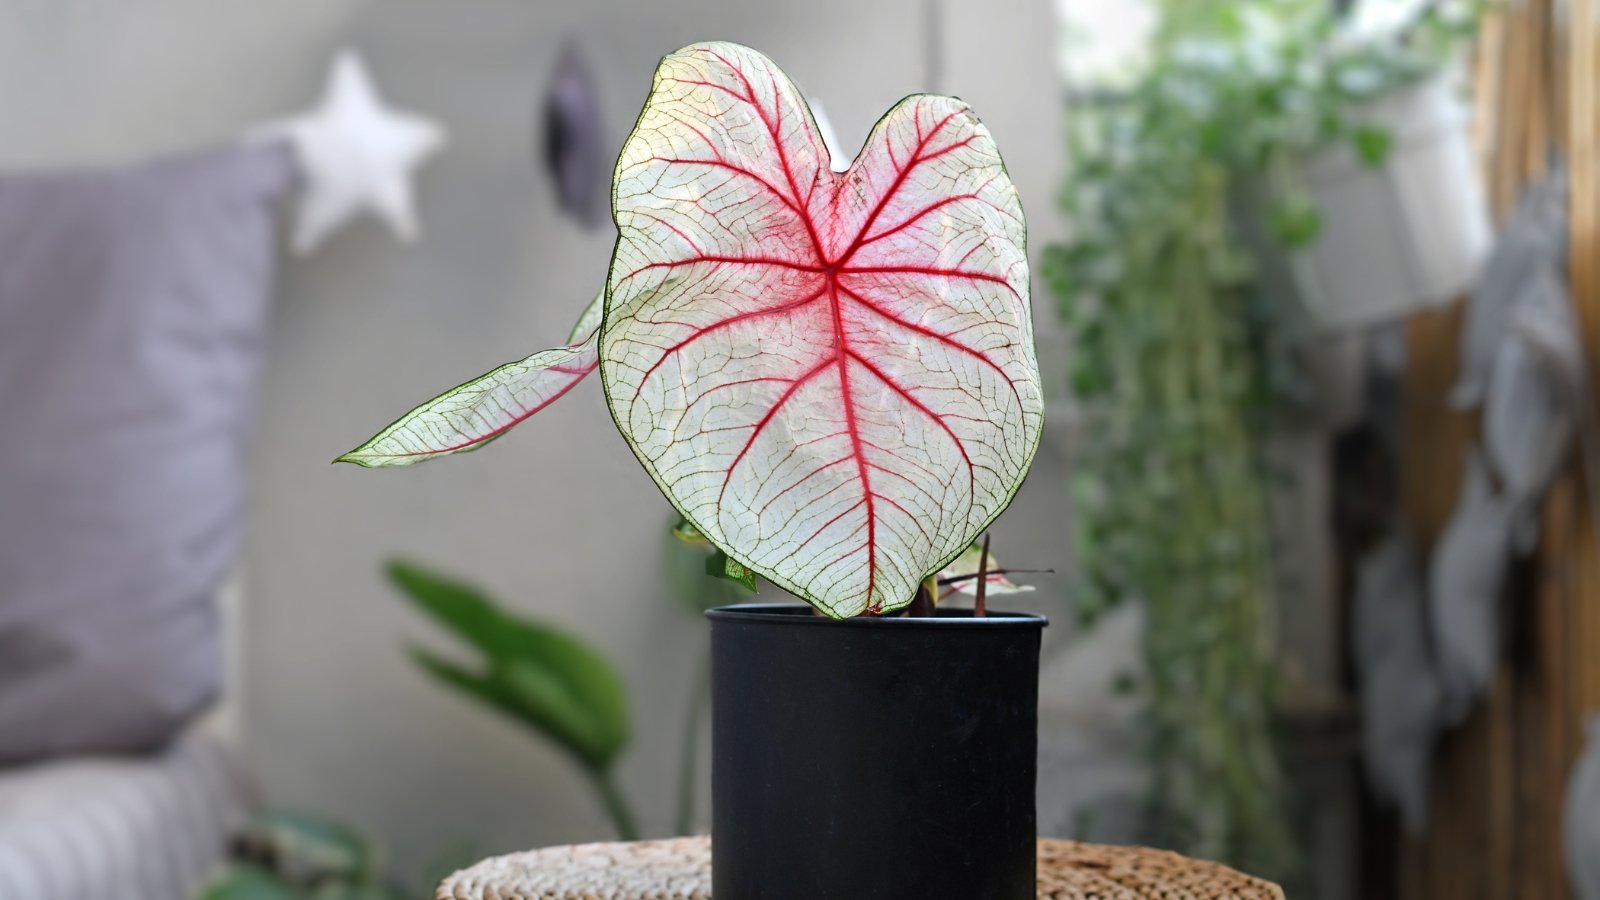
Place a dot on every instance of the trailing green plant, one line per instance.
(538, 676)
(1180, 358)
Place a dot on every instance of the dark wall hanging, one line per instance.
(573, 140)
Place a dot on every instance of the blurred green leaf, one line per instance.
(312, 845)
(547, 696)
(1372, 145)
(285, 855)
(1296, 223)
(440, 864)
(357, 892)
(538, 675)
(535, 698)
(721, 565)
(249, 883)
(1124, 684)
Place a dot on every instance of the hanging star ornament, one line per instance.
(356, 156)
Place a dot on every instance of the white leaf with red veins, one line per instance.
(470, 416)
(832, 375)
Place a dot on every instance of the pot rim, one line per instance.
(801, 614)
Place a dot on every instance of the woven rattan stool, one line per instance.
(680, 869)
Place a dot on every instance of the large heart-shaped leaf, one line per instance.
(831, 375)
(471, 415)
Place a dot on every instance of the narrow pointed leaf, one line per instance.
(832, 375)
(532, 700)
(471, 415)
(544, 677)
(547, 696)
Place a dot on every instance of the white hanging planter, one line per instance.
(1403, 236)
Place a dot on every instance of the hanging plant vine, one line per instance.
(1179, 361)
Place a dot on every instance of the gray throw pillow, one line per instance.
(132, 315)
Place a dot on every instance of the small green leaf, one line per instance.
(688, 532)
(541, 676)
(721, 565)
(315, 845)
(683, 573)
(1088, 381)
(1372, 145)
(249, 883)
(358, 892)
(1296, 223)
(1124, 684)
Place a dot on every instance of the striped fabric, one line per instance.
(120, 829)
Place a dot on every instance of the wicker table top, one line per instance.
(680, 869)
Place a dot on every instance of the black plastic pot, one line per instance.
(873, 759)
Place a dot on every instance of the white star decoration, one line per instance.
(356, 156)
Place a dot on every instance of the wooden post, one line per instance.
(1583, 154)
(1500, 780)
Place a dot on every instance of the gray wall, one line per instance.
(557, 517)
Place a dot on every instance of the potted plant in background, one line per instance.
(1405, 223)
(1353, 152)
(831, 377)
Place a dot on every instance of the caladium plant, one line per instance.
(830, 375)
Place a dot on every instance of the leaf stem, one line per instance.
(923, 603)
(617, 808)
(980, 606)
